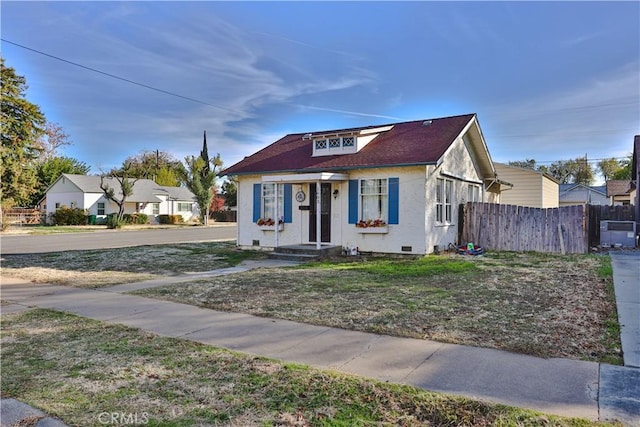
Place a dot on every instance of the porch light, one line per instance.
(335, 193)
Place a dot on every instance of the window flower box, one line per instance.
(372, 226)
(271, 227)
(373, 230)
(268, 224)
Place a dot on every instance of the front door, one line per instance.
(325, 212)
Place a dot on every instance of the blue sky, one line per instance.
(548, 80)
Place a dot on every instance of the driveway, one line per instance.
(25, 244)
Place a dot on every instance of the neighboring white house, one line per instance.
(531, 188)
(406, 179)
(578, 194)
(84, 192)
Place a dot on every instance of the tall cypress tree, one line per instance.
(199, 176)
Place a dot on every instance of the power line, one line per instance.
(589, 160)
(166, 92)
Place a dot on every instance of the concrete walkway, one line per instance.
(557, 386)
(626, 281)
(620, 385)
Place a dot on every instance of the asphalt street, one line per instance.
(26, 244)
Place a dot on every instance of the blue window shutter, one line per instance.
(257, 201)
(353, 201)
(394, 200)
(288, 197)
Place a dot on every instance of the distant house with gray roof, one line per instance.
(84, 192)
(579, 194)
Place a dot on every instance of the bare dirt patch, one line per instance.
(543, 305)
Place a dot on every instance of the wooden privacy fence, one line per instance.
(21, 216)
(519, 228)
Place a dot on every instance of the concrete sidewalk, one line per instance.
(620, 385)
(626, 281)
(557, 386)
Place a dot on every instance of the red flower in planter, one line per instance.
(371, 223)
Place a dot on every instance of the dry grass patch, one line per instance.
(543, 305)
(76, 369)
(80, 279)
(106, 267)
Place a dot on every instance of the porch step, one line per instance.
(304, 253)
(293, 257)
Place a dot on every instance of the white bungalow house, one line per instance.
(84, 192)
(390, 189)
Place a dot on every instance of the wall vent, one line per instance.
(407, 248)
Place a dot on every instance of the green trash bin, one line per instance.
(92, 219)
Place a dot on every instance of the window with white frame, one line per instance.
(100, 208)
(185, 207)
(321, 144)
(474, 193)
(269, 201)
(334, 142)
(348, 141)
(373, 199)
(155, 208)
(444, 200)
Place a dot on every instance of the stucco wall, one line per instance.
(410, 232)
(456, 161)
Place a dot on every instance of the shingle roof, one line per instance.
(602, 189)
(618, 188)
(144, 190)
(407, 143)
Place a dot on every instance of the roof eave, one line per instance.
(335, 168)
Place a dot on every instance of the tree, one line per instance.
(199, 176)
(612, 169)
(581, 171)
(525, 164)
(21, 127)
(230, 192)
(152, 165)
(125, 189)
(217, 201)
(51, 140)
(624, 173)
(50, 169)
(167, 177)
(576, 171)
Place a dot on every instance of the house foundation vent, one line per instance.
(407, 248)
(256, 243)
